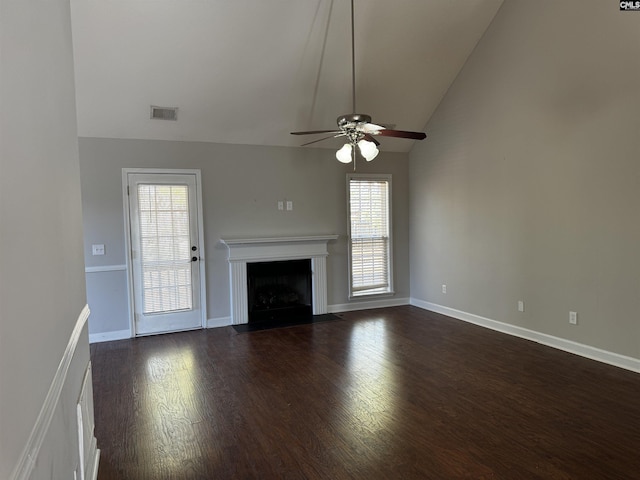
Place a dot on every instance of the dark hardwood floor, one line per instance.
(396, 393)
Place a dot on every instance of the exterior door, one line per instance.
(165, 252)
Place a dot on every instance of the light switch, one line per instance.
(280, 205)
(97, 249)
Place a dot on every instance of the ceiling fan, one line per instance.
(357, 127)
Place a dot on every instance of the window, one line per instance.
(369, 202)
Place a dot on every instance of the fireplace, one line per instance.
(279, 290)
(244, 252)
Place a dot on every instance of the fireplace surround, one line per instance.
(243, 251)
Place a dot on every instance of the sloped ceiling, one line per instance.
(252, 71)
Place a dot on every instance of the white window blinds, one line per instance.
(369, 236)
(166, 258)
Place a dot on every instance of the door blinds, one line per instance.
(166, 258)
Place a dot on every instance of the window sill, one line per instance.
(371, 295)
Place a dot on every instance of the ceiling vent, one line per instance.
(164, 113)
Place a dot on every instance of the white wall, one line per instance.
(42, 290)
(241, 186)
(529, 184)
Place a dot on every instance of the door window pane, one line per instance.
(165, 248)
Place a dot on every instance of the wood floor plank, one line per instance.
(380, 394)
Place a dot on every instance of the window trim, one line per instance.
(370, 176)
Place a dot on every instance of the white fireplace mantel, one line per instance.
(248, 250)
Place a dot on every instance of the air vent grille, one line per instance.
(164, 113)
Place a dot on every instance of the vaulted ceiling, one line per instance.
(251, 71)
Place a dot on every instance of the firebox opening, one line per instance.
(279, 290)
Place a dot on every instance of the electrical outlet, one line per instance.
(520, 306)
(280, 205)
(444, 288)
(573, 318)
(289, 205)
(97, 249)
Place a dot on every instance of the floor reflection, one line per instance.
(169, 409)
(373, 382)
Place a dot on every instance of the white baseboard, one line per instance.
(218, 322)
(31, 450)
(367, 305)
(109, 336)
(593, 353)
(124, 334)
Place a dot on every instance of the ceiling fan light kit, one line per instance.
(368, 149)
(357, 127)
(344, 154)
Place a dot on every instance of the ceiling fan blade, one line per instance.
(316, 131)
(371, 139)
(371, 128)
(321, 139)
(400, 134)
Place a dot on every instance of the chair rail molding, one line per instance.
(29, 457)
(105, 268)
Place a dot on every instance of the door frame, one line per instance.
(128, 243)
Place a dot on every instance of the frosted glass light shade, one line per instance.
(368, 150)
(344, 154)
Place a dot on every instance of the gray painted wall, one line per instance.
(42, 287)
(241, 186)
(528, 187)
